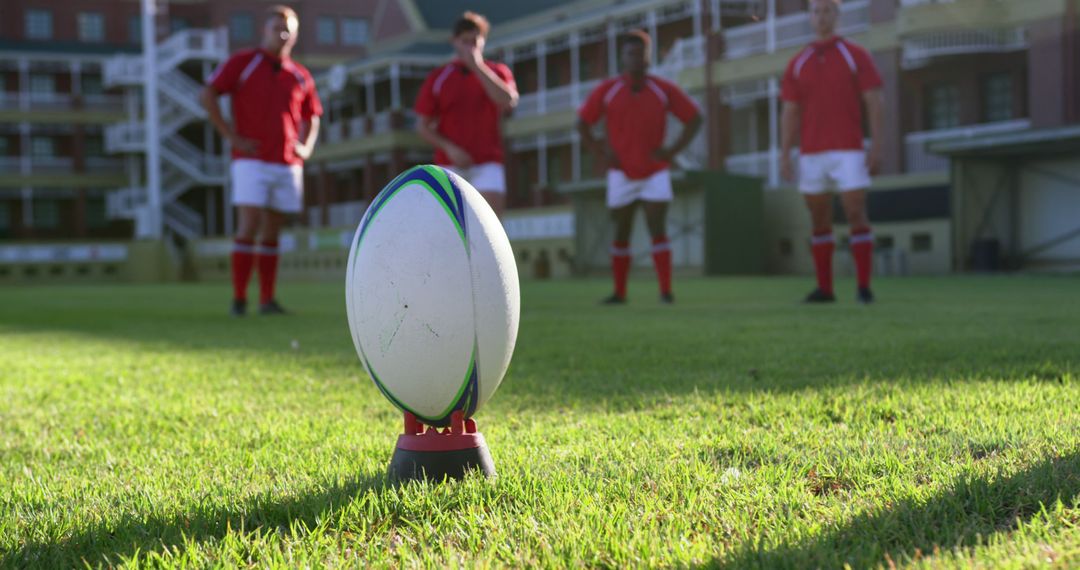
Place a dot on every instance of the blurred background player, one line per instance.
(823, 91)
(460, 108)
(275, 113)
(635, 105)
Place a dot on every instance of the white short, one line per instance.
(278, 187)
(842, 170)
(622, 191)
(486, 177)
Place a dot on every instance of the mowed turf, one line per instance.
(141, 426)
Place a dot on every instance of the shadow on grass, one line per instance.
(109, 543)
(739, 335)
(960, 518)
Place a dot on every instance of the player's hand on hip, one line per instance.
(244, 145)
(302, 151)
(873, 160)
(663, 154)
(458, 156)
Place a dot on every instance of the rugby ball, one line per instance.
(432, 295)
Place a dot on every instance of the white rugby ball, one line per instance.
(432, 295)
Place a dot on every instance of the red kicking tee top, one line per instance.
(636, 119)
(467, 116)
(827, 80)
(271, 97)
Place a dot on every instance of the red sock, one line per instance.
(661, 255)
(862, 249)
(268, 260)
(822, 247)
(243, 260)
(620, 266)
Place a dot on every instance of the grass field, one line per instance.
(938, 428)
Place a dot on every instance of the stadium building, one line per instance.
(973, 79)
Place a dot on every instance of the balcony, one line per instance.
(51, 164)
(791, 30)
(921, 160)
(749, 164)
(104, 164)
(906, 3)
(554, 100)
(10, 164)
(919, 50)
(59, 102)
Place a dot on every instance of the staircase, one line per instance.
(183, 165)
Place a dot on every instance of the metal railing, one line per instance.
(919, 50)
(122, 203)
(193, 44)
(381, 123)
(685, 53)
(104, 164)
(10, 164)
(49, 101)
(554, 100)
(182, 220)
(906, 3)
(791, 30)
(202, 166)
(749, 164)
(52, 164)
(919, 159)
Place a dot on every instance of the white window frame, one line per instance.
(347, 35)
(326, 25)
(91, 27)
(38, 24)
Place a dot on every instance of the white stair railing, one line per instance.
(183, 220)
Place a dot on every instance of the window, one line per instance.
(39, 25)
(45, 84)
(94, 146)
(921, 242)
(997, 97)
(943, 106)
(326, 31)
(242, 28)
(5, 146)
(95, 212)
(92, 85)
(178, 25)
(46, 214)
(5, 217)
(135, 29)
(354, 32)
(42, 147)
(91, 26)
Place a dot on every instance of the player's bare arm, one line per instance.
(789, 128)
(689, 131)
(875, 113)
(305, 139)
(428, 129)
(504, 95)
(598, 147)
(209, 99)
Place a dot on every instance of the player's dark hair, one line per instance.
(638, 37)
(471, 22)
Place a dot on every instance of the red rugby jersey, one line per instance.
(467, 116)
(827, 80)
(271, 96)
(636, 119)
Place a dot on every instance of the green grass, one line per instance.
(939, 428)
